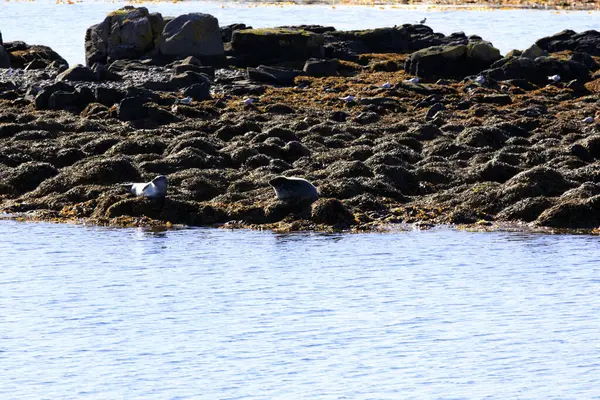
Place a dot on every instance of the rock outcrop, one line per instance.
(127, 33)
(23, 55)
(452, 61)
(585, 42)
(196, 35)
(493, 141)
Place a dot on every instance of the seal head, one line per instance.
(291, 189)
(156, 188)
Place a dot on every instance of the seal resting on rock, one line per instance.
(294, 189)
(155, 189)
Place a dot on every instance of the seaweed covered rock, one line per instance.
(99, 171)
(574, 214)
(29, 175)
(332, 212)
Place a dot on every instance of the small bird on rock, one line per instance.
(412, 80)
(480, 79)
(423, 21)
(554, 78)
(248, 101)
(187, 100)
(348, 99)
(386, 85)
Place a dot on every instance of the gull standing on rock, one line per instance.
(554, 78)
(294, 189)
(155, 189)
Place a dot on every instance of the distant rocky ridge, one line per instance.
(396, 124)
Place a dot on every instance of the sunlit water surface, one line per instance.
(63, 26)
(213, 314)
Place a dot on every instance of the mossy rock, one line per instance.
(256, 46)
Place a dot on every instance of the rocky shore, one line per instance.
(392, 125)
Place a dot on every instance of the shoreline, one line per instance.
(393, 125)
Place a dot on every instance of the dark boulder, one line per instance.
(256, 46)
(227, 31)
(398, 39)
(538, 70)
(77, 73)
(585, 42)
(193, 34)
(42, 98)
(131, 109)
(127, 33)
(108, 96)
(21, 54)
(198, 91)
(61, 100)
(188, 78)
(452, 61)
(272, 75)
(4, 58)
(320, 67)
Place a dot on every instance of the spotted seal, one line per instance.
(156, 188)
(290, 189)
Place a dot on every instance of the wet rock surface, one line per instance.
(488, 140)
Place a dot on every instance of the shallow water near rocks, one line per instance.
(102, 313)
(63, 26)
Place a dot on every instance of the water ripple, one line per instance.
(215, 314)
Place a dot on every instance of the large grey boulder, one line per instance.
(127, 33)
(4, 58)
(193, 34)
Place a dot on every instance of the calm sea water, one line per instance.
(62, 26)
(96, 313)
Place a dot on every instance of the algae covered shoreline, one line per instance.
(393, 125)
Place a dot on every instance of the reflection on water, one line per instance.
(215, 314)
(63, 27)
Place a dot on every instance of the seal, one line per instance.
(155, 189)
(290, 189)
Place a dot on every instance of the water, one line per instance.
(62, 26)
(96, 313)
